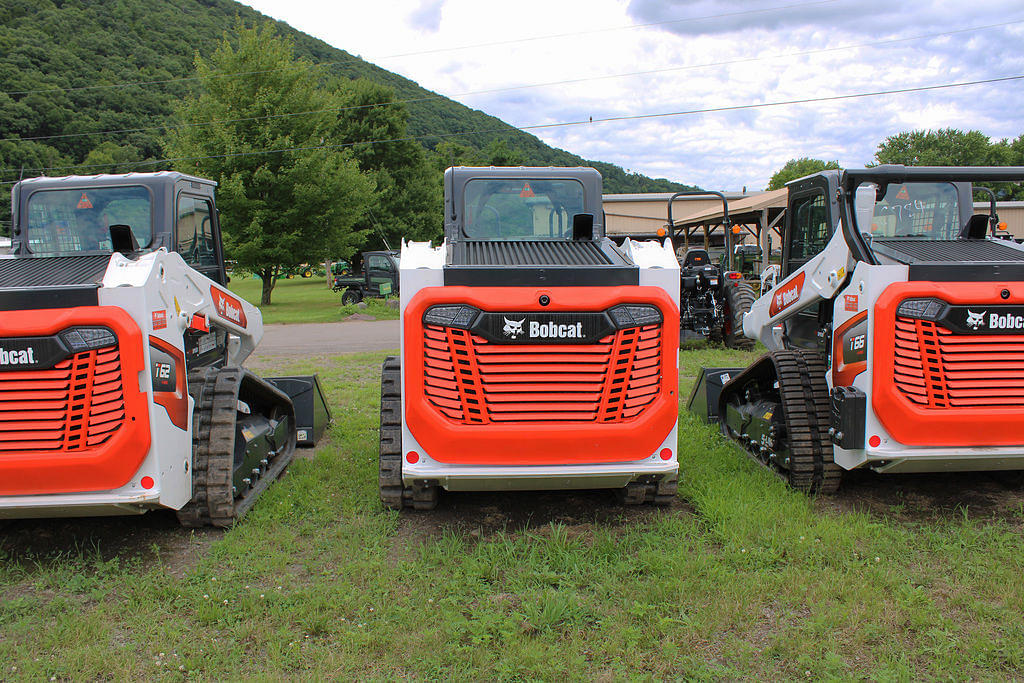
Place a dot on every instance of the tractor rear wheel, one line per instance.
(393, 492)
(739, 297)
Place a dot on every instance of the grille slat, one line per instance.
(77, 404)
(938, 368)
(473, 381)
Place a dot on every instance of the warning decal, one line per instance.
(159, 320)
(903, 194)
(527, 191)
(84, 202)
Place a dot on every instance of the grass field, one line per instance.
(304, 300)
(741, 579)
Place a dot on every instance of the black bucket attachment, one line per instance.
(311, 412)
(704, 399)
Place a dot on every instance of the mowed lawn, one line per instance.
(742, 579)
(303, 300)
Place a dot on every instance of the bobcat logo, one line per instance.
(975, 320)
(513, 328)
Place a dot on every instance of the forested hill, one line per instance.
(59, 59)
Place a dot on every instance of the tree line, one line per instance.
(943, 147)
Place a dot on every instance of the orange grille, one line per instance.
(473, 381)
(77, 404)
(937, 368)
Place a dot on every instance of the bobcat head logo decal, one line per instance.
(975, 320)
(513, 328)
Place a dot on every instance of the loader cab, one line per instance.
(521, 226)
(132, 212)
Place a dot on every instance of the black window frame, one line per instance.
(215, 271)
(808, 196)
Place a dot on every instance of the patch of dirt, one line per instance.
(929, 497)
(480, 515)
(152, 539)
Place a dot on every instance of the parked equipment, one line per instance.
(379, 277)
(713, 299)
(896, 332)
(121, 380)
(535, 353)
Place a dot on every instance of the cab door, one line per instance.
(197, 236)
(380, 275)
(809, 226)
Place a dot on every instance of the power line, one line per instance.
(412, 54)
(607, 119)
(743, 60)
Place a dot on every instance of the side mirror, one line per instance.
(864, 205)
(583, 226)
(122, 239)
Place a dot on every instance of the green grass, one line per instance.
(304, 300)
(748, 580)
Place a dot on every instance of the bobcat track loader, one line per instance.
(536, 354)
(121, 380)
(896, 333)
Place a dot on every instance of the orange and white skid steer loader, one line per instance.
(121, 350)
(896, 334)
(536, 354)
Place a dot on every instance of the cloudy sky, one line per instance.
(538, 62)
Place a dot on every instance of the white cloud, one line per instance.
(699, 62)
(427, 16)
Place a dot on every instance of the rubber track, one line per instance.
(393, 493)
(200, 386)
(805, 406)
(739, 298)
(661, 493)
(390, 460)
(220, 499)
(213, 500)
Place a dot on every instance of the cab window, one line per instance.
(195, 231)
(811, 230)
(498, 209)
(62, 221)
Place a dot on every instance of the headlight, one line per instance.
(79, 339)
(634, 315)
(923, 309)
(451, 316)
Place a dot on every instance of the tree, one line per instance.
(798, 168)
(408, 192)
(279, 208)
(106, 157)
(952, 147)
(945, 147)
